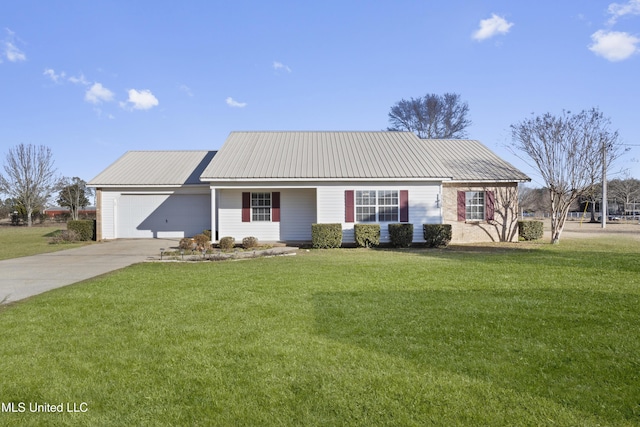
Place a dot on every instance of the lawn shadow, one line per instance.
(577, 348)
(52, 233)
(536, 254)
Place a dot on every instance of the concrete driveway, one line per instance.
(27, 276)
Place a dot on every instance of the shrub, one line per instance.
(187, 244)
(436, 235)
(202, 241)
(401, 235)
(324, 236)
(250, 242)
(227, 243)
(367, 235)
(65, 236)
(207, 233)
(84, 228)
(531, 230)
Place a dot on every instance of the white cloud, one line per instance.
(81, 80)
(9, 50)
(97, 94)
(280, 66)
(614, 45)
(491, 27)
(12, 53)
(186, 89)
(233, 103)
(618, 10)
(49, 72)
(140, 100)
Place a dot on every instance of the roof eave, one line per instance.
(333, 179)
(147, 185)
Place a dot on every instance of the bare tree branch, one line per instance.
(73, 195)
(433, 116)
(29, 176)
(568, 151)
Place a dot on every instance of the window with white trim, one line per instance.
(474, 205)
(377, 206)
(261, 206)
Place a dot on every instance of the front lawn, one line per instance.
(24, 241)
(499, 335)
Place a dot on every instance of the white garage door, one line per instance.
(162, 215)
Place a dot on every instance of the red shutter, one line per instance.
(246, 207)
(348, 206)
(462, 206)
(404, 206)
(490, 201)
(275, 206)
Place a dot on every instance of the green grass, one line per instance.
(527, 334)
(24, 241)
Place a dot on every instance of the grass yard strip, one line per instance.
(495, 335)
(17, 242)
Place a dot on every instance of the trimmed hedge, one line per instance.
(531, 230)
(84, 228)
(325, 236)
(227, 243)
(436, 235)
(367, 235)
(401, 235)
(250, 242)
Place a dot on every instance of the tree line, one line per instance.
(623, 199)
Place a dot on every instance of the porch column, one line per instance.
(98, 214)
(214, 225)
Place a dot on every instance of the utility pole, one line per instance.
(603, 206)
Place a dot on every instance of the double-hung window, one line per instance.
(261, 206)
(377, 206)
(387, 206)
(474, 205)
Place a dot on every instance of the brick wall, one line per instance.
(504, 226)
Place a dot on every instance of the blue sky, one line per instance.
(93, 79)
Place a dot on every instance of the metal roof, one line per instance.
(354, 155)
(470, 160)
(254, 156)
(155, 168)
(323, 155)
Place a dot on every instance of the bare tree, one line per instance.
(533, 200)
(505, 219)
(433, 116)
(73, 195)
(568, 150)
(592, 197)
(627, 191)
(29, 176)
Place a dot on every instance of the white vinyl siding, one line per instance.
(297, 213)
(424, 206)
(108, 210)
